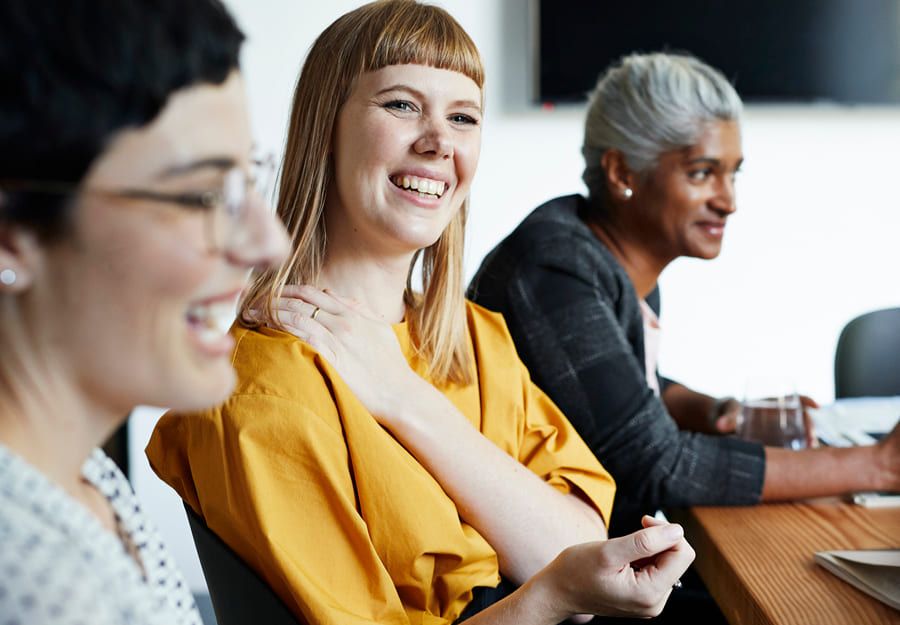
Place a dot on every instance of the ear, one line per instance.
(20, 254)
(619, 176)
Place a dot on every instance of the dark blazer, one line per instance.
(576, 322)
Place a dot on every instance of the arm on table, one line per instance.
(565, 325)
(833, 470)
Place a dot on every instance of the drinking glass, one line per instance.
(772, 414)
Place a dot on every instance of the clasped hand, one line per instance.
(362, 348)
(628, 576)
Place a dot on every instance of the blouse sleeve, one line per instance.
(542, 439)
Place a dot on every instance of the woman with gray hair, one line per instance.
(576, 282)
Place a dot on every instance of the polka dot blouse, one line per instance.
(60, 566)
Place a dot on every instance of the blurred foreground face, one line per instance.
(139, 299)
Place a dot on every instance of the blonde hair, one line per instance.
(376, 35)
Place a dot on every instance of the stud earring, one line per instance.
(627, 193)
(8, 277)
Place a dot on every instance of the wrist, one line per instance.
(546, 593)
(887, 469)
(717, 408)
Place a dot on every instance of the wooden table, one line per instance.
(758, 561)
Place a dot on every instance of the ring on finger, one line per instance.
(314, 313)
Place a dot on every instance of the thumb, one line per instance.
(647, 542)
(727, 423)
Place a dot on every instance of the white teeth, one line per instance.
(212, 320)
(425, 186)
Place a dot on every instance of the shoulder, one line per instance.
(552, 238)
(278, 365)
(554, 221)
(486, 326)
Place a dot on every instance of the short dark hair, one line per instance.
(74, 72)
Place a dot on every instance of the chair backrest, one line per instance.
(867, 359)
(239, 596)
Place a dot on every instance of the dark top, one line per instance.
(576, 321)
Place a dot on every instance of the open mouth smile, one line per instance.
(424, 187)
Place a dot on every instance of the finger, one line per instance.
(812, 436)
(353, 304)
(300, 324)
(314, 298)
(651, 521)
(646, 542)
(669, 565)
(726, 424)
(809, 402)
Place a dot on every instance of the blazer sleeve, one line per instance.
(564, 323)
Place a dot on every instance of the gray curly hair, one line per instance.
(647, 104)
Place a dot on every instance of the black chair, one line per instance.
(867, 359)
(239, 596)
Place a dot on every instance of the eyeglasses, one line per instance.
(226, 208)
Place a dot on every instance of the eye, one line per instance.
(399, 105)
(462, 118)
(699, 175)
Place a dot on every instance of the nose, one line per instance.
(434, 139)
(261, 240)
(724, 200)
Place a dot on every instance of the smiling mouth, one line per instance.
(211, 321)
(424, 187)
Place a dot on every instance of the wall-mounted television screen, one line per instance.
(845, 51)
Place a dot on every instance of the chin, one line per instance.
(705, 252)
(210, 390)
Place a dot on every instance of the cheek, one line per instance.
(467, 154)
(165, 270)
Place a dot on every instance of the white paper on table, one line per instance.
(849, 422)
(873, 571)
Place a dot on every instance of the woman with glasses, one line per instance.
(128, 222)
(391, 463)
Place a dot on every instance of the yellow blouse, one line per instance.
(329, 508)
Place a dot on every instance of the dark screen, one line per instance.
(772, 50)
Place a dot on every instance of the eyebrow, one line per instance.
(402, 87)
(213, 162)
(712, 161)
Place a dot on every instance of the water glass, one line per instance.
(772, 414)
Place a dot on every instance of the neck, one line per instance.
(376, 283)
(634, 253)
(44, 417)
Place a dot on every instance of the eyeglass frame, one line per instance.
(206, 201)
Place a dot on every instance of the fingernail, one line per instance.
(673, 531)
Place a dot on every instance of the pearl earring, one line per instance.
(8, 277)
(627, 193)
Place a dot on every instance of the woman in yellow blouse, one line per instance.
(397, 457)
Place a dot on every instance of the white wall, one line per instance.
(813, 244)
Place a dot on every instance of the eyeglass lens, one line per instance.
(235, 190)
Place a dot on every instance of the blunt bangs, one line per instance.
(422, 35)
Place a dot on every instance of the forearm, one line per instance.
(688, 408)
(527, 521)
(827, 471)
(534, 603)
